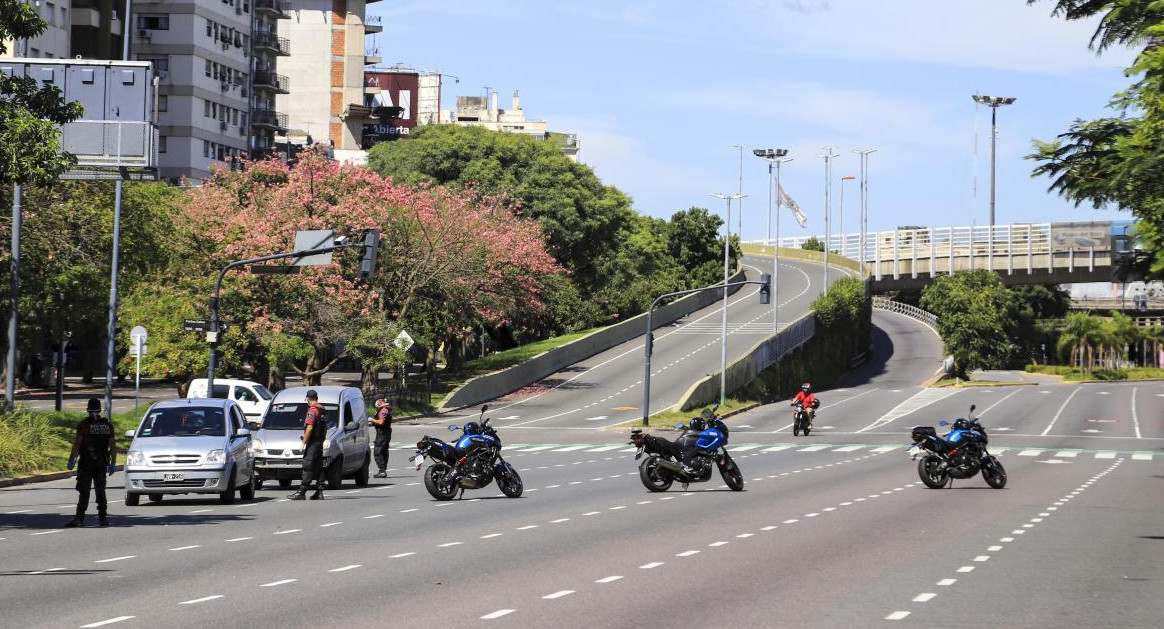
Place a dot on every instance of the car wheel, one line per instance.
(335, 474)
(132, 500)
(362, 474)
(247, 492)
(226, 496)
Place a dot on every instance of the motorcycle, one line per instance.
(689, 458)
(960, 454)
(472, 462)
(800, 421)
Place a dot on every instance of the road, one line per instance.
(834, 530)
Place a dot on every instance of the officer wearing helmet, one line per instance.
(806, 397)
(94, 454)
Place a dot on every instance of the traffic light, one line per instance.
(371, 251)
(766, 288)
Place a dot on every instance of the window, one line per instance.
(154, 22)
(216, 30)
(243, 394)
(64, 18)
(208, 67)
(34, 52)
(163, 103)
(221, 154)
(347, 414)
(183, 422)
(206, 108)
(161, 144)
(50, 15)
(205, 148)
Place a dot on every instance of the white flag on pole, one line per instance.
(787, 201)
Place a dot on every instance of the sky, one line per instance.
(660, 91)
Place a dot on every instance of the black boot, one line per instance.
(299, 495)
(318, 495)
(78, 521)
(103, 520)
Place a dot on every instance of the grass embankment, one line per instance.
(959, 383)
(33, 441)
(668, 418)
(1070, 374)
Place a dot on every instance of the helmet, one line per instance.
(806, 387)
(698, 424)
(94, 404)
(472, 428)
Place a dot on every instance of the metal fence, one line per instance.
(413, 396)
(928, 318)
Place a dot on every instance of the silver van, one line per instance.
(279, 453)
(190, 447)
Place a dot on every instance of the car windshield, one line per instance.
(183, 422)
(289, 416)
(263, 392)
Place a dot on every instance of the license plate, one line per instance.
(418, 460)
(169, 476)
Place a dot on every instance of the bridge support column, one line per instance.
(990, 247)
(896, 258)
(950, 235)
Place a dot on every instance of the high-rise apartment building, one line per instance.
(267, 47)
(326, 70)
(75, 28)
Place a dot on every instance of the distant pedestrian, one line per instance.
(94, 454)
(383, 423)
(314, 433)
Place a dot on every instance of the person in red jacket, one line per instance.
(808, 399)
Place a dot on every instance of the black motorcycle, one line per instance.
(960, 454)
(472, 462)
(800, 420)
(689, 458)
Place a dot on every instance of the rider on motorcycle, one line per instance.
(808, 399)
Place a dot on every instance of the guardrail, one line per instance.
(111, 143)
(888, 305)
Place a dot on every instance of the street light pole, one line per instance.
(864, 153)
(841, 213)
(828, 157)
(993, 102)
(773, 157)
(740, 191)
(726, 260)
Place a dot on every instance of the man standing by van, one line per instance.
(314, 432)
(96, 446)
(383, 424)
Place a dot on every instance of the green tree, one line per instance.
(813, 244)
(30, 116)
(977, 319)
(1077, 337)
(1043, 302)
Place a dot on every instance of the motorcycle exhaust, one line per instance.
(673, 468)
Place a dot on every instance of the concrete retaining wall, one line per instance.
(499, 383)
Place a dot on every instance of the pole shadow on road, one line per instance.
(54, 573)
(49, 521)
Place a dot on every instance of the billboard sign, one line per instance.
(393, 97)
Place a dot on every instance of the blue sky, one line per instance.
(659, 91)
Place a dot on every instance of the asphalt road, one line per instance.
(833, 530)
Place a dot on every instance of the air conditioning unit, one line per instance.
(225, 85)
(144, 33)
(239, 79)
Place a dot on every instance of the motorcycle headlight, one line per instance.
(135, 458)
(216, 456)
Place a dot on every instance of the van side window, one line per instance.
(221, 391)
(347, 413)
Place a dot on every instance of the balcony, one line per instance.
(264, 40)
(278, 9)
(373, 24)
(372, 56)
(265, 79)
(269, 119)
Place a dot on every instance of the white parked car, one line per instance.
(190, 447)
(252, 397)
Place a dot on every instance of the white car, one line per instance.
(190, 447)
(252, 397)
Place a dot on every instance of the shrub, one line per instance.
(24, 442)
(1109, 374)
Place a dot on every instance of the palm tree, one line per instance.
(1125, 334)
(1079, 332)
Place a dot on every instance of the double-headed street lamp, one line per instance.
(774, 157)
(993, 102)
(727, 241)
(841, 213)
(828, 157)
(864, 153)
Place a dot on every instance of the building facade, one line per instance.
(90, 29)
(479, 111)
(326, 70)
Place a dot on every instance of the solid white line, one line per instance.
(497, 614)
(186, 547)
(924, 597)
(1060, 412)
(609, 579)
(21, 511)
(558, 594)
(1135, 417)
(106, 622)
(653, 564)
(202, 600)
(998, 402)
(896, 615)
(274, 583)
(115, 559)
(346, 568)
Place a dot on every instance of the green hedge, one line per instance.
(25, 442)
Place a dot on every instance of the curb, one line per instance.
(41, 478)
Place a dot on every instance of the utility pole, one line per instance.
(828, 157)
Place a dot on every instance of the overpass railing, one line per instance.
(888, 305)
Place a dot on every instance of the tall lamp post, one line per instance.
(727, 241)
(828, 157)
(993, 102)
(774, 157)
(740, 191)
(864, 153)
(841, 213)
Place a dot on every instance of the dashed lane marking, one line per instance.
(558, 594)
(277, 583)
(610, 579)
(187, 547)
(346, 568)
(653, 564)
(924, 597)
(107, 622)
(497, 614)
(112, 559)
(400, 555)
(897, 616)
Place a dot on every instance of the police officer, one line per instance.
(383, 424)
(96, 445)
(314, 432)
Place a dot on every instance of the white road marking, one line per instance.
(201, 510)
(239, 539)
(945, 582)
(1135, 418)
(399, 555)
(106, 622)
(408, 510)
(47, 571)
(816, 448)
(687, 553)
(1031, 452)
(490, 536)
(372, 517)
(21, 511)
(1141, 456)
(201, 600)
(981, 558)
(994, 549)
(924, 597)
(966, 569)
(848, 448)
(275, 583)
(922, 399)
(47, 532)
(346, 568)
(769, 528)
(558, 594)
(1067, 454)
(288, 531)
(111, 559)
(653, 564)
(559, 520)
(717, 544)
(793, 521)
(896, 615)
(596, 512)
(527, 527)
(610, 579)
(1059, 412)
(777, 448)
(449, 544)
(329, 524)
(497, 614)
(187, 547)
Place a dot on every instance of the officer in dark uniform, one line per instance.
(96, 445)
(383, 424)
(314, 432)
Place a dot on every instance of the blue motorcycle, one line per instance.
(471, 462)
(690, 458)
(960, 454)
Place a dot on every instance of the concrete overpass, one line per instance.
(1027, 253)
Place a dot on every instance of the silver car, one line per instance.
(190, 447)
(279, 452)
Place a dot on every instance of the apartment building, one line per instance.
(76, 28)
(480, 111)
(326, 71)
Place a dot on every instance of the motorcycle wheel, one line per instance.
(994, 473)
(509, 481)
(654, 479)
(731, 474)
(928, 469)
(795, 426)
(807, 426)
(434, 482)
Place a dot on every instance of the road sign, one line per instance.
(307, 240)
(403, 341)
(137, 337)
(195, 325)
(136, 347)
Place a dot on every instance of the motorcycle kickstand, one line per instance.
(950, 483)
(462, 494)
